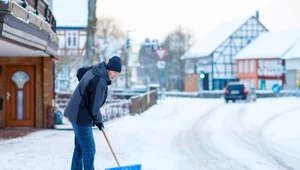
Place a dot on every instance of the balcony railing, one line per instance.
(38, 13)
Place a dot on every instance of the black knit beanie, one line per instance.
(114, 64)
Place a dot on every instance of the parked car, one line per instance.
(239, 91)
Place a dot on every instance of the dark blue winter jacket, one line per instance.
(90, 94)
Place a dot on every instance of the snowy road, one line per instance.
(235, 136)
(181, 133)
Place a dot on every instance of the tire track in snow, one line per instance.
(248, 140)
(274, 153)
(185, 143)
(199, 146)
(197, 142)
(254, 142)
(223, 134)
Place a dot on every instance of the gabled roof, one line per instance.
(270, 45)
(211, 41)
(294, 52)
(75, 16)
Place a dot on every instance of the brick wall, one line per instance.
(48, 91)
(2, 92)
(247, 75)
(191, 83)
(43, 85)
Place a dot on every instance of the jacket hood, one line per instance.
(100, 70)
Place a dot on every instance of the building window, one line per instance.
(274, 68)
(260, 68)
(252, 66)
(69, 39)
(74, 39)
(64, 72)
(253, 83)
(246, 66)
(241, 66)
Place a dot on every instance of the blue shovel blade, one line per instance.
(129, 167)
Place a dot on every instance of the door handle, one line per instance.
(1, 103)
(7, 95)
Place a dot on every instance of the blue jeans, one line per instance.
(84, 151)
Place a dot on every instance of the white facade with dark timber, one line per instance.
(213, 55)
(72, 40)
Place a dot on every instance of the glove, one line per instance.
(100, 125)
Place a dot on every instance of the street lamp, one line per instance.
(127, 47)
(202, 76)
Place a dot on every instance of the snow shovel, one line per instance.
(129, 167)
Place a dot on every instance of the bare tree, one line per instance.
(147, 60)
(177, 42)
(67, 63)
(91, 28)
(110, 38)
(108, 27)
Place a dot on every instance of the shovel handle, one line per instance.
(111, 149)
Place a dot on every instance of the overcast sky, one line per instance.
(155, 18)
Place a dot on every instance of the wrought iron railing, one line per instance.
(115, 110)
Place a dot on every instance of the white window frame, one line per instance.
(69, 40)
(75, 39)
(72, 39)
(252, 66)
(246, 66)
(241, 66)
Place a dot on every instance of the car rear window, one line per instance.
(239, 87)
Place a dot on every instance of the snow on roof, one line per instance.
(294, 52)
(71, 13)
(214, 38)
(270, 45)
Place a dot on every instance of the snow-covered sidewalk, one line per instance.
(153, 138)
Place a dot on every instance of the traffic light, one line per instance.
(127, 43)
(202, 75)
(154, 44)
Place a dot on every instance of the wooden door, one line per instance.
(20, 100)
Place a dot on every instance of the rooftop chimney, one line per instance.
(257, 14)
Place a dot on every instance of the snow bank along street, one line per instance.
(180, 133)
